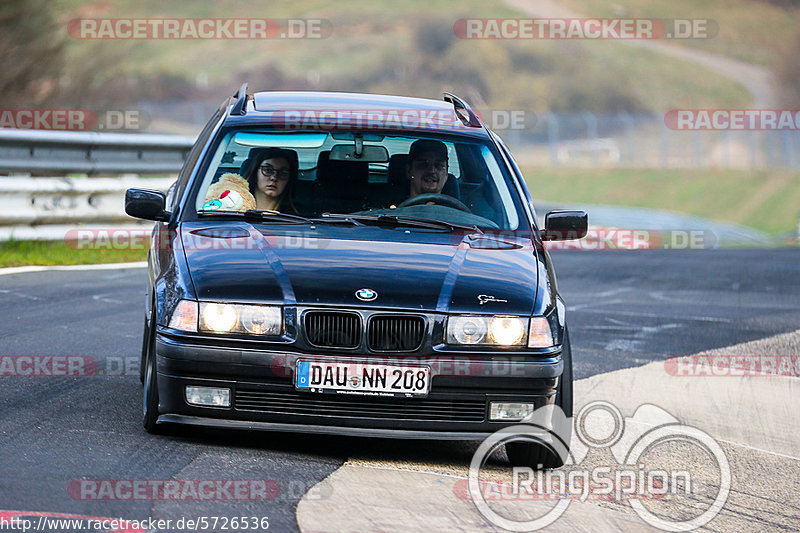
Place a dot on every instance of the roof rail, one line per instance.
(240, 107)
(471, 119)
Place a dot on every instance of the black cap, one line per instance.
(424, 145)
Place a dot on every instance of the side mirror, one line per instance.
(565, 225)
(149, 205)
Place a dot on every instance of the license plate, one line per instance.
(365, 379)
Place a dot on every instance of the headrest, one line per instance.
(397, 170)
(338, 171)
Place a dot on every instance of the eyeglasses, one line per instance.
(269, 171)
(425, 163)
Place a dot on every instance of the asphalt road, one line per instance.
(625, 309)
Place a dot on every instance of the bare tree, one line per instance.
(31, 52)
(787, 72)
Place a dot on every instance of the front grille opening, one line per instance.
(293, 403)
(395, 333)
(333, 329)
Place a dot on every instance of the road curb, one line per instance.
(46, 268)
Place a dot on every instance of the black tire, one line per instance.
(145, 347)
(543, 456)
(150, 381)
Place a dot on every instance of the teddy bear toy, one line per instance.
(230, 193)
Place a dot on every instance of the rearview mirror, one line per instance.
(145, 204)
(359, 152)
(565, 225)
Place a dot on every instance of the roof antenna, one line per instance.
(462, 110)
(239, 108)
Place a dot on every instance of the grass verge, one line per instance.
(767, 200)
(24, 253)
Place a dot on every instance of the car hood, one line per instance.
(416, 271)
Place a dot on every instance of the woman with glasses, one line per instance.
(271, 174)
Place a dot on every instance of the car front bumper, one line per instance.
(263, 395)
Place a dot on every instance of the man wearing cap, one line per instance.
(427, 167)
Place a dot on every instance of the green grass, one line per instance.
(767, 200)
(23, 253)
(661, 82)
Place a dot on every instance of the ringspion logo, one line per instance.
(649, 465)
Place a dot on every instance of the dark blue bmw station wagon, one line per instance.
(352, 264)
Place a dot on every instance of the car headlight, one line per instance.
(487, 330)
(220, 318)
(238, 318)
(216, 317)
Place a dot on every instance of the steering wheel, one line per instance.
(439, 199)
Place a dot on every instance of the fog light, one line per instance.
(509, 411)
(208, 396)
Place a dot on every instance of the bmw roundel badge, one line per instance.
(366, 295)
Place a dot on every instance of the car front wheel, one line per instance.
(541, 455)
(150, 399)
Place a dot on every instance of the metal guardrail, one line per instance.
(59, 152)
(48, 207)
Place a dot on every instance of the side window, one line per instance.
(176, 190)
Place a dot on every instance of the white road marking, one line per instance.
(581, 307)
(102, 298)
(655, 315)
(19, 294)
(41, 268)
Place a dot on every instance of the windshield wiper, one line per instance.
(402, 220)
(426, 222)
(339, 217)
(253, 214)
(356, 220)
(260, 216)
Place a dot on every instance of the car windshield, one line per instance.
(452, 179)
